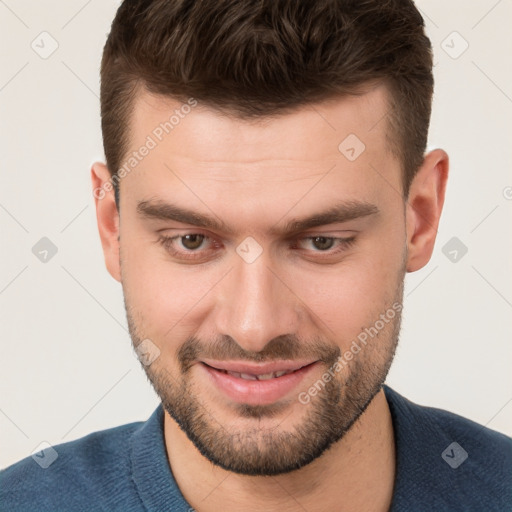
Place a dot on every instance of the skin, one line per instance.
(255, 176)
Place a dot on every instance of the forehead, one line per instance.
(320, 128)
(338, 148)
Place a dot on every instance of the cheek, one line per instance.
(352, 296)
(166, 297)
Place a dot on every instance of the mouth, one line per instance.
(263, 376)
(256, 384)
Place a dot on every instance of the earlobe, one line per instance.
(107, 217)
(424, 207)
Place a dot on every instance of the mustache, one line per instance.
(282, 347)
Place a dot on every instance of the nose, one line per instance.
(255, 305)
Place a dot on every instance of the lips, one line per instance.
(256, 384)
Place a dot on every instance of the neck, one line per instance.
(356, 473)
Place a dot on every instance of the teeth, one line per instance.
(248, 376)
(265, 376)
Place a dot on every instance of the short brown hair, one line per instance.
(254, 58)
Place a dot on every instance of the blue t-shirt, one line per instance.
(444, 463)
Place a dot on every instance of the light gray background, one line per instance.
(67, 366)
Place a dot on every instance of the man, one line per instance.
(266, 189)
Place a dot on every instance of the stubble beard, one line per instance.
(266, 451)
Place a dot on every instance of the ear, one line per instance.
(424, 206)
(107, 217)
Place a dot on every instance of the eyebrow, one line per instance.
(342, 212)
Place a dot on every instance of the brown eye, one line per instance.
(192, 242)
(322, 243)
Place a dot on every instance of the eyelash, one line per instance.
(167, 243)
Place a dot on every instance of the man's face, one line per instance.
(304, 251)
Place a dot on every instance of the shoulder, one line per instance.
(447, 461)
(61, 475)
